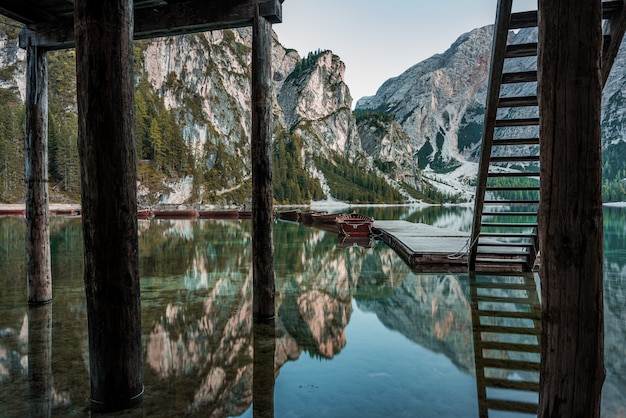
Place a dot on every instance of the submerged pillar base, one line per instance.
(116, 404)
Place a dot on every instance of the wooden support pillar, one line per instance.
(262, 182)
(104, 65)
(570, 214)
(38, 274)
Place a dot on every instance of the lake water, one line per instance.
(358, 334)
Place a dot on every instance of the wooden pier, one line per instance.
(429, 249)
(425, 248)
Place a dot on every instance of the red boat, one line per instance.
(245, 214)
(306, 217)
(144, 214)
(325, 218)
(289, 215)
(12, 212)
(175, 214)
(219, 214)
(355, 225)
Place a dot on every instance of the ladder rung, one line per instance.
(518, 101)
(515, 159)
(507, 235)
(502, 299)
(521, 50)
(506, 286)
(516, 141)
(506, 244)
(523, 20)
(519, 77)
(504, 253)
(512, 188)
(511, 364)
(506, 123)
(511, 202)
(610, 7)
(513, 406)
(508, 225)
(509, 213)
(501, 261)
(512, 384)
(513, 174)
(498, 329)
(535, 316)
(522, 348)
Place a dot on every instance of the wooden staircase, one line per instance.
(506, 325)
(504, 232)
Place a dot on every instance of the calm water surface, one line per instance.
(358, 334)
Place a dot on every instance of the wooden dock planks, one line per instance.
(426, 248)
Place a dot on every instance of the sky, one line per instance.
(381, 39)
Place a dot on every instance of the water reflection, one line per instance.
(384, 340)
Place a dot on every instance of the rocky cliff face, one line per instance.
(430, 99)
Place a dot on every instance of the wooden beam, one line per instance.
(24, 12)
(189, 16)
(104, 84)
(262, 181)
(615, 27)
(38, 272)
(570, 214)
(498, 53)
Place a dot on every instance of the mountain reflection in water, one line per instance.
(357, 332)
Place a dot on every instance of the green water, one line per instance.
(358, 334)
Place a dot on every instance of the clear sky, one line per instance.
(380, 39)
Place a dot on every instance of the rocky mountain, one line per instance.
(416, 139)
(192, 123)
(440, 104)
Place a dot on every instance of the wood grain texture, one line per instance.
(262, 181)
(108, 185)
(38, 273)
(570, 214)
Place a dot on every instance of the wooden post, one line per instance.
(38, 274)
(262, 182)
(104, 68)
(570, 214)
(40, 360)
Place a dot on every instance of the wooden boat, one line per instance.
(12, 212)
(306, 217)
(289, 215)
(64, 212)
(325, 218)
(144, 214)
(219, 214)
(175, 214)
(355, 225)
(245, 214)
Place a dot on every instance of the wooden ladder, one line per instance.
(504, 231)
(506, 325)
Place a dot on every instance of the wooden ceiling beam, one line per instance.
(25, 13)
(173, 18)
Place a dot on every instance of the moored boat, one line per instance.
(175, 214)
(325, 218)
(219, 214)
(289, 215)
(245, 214)
(12, 212)
(144, 213)
(355, 225)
